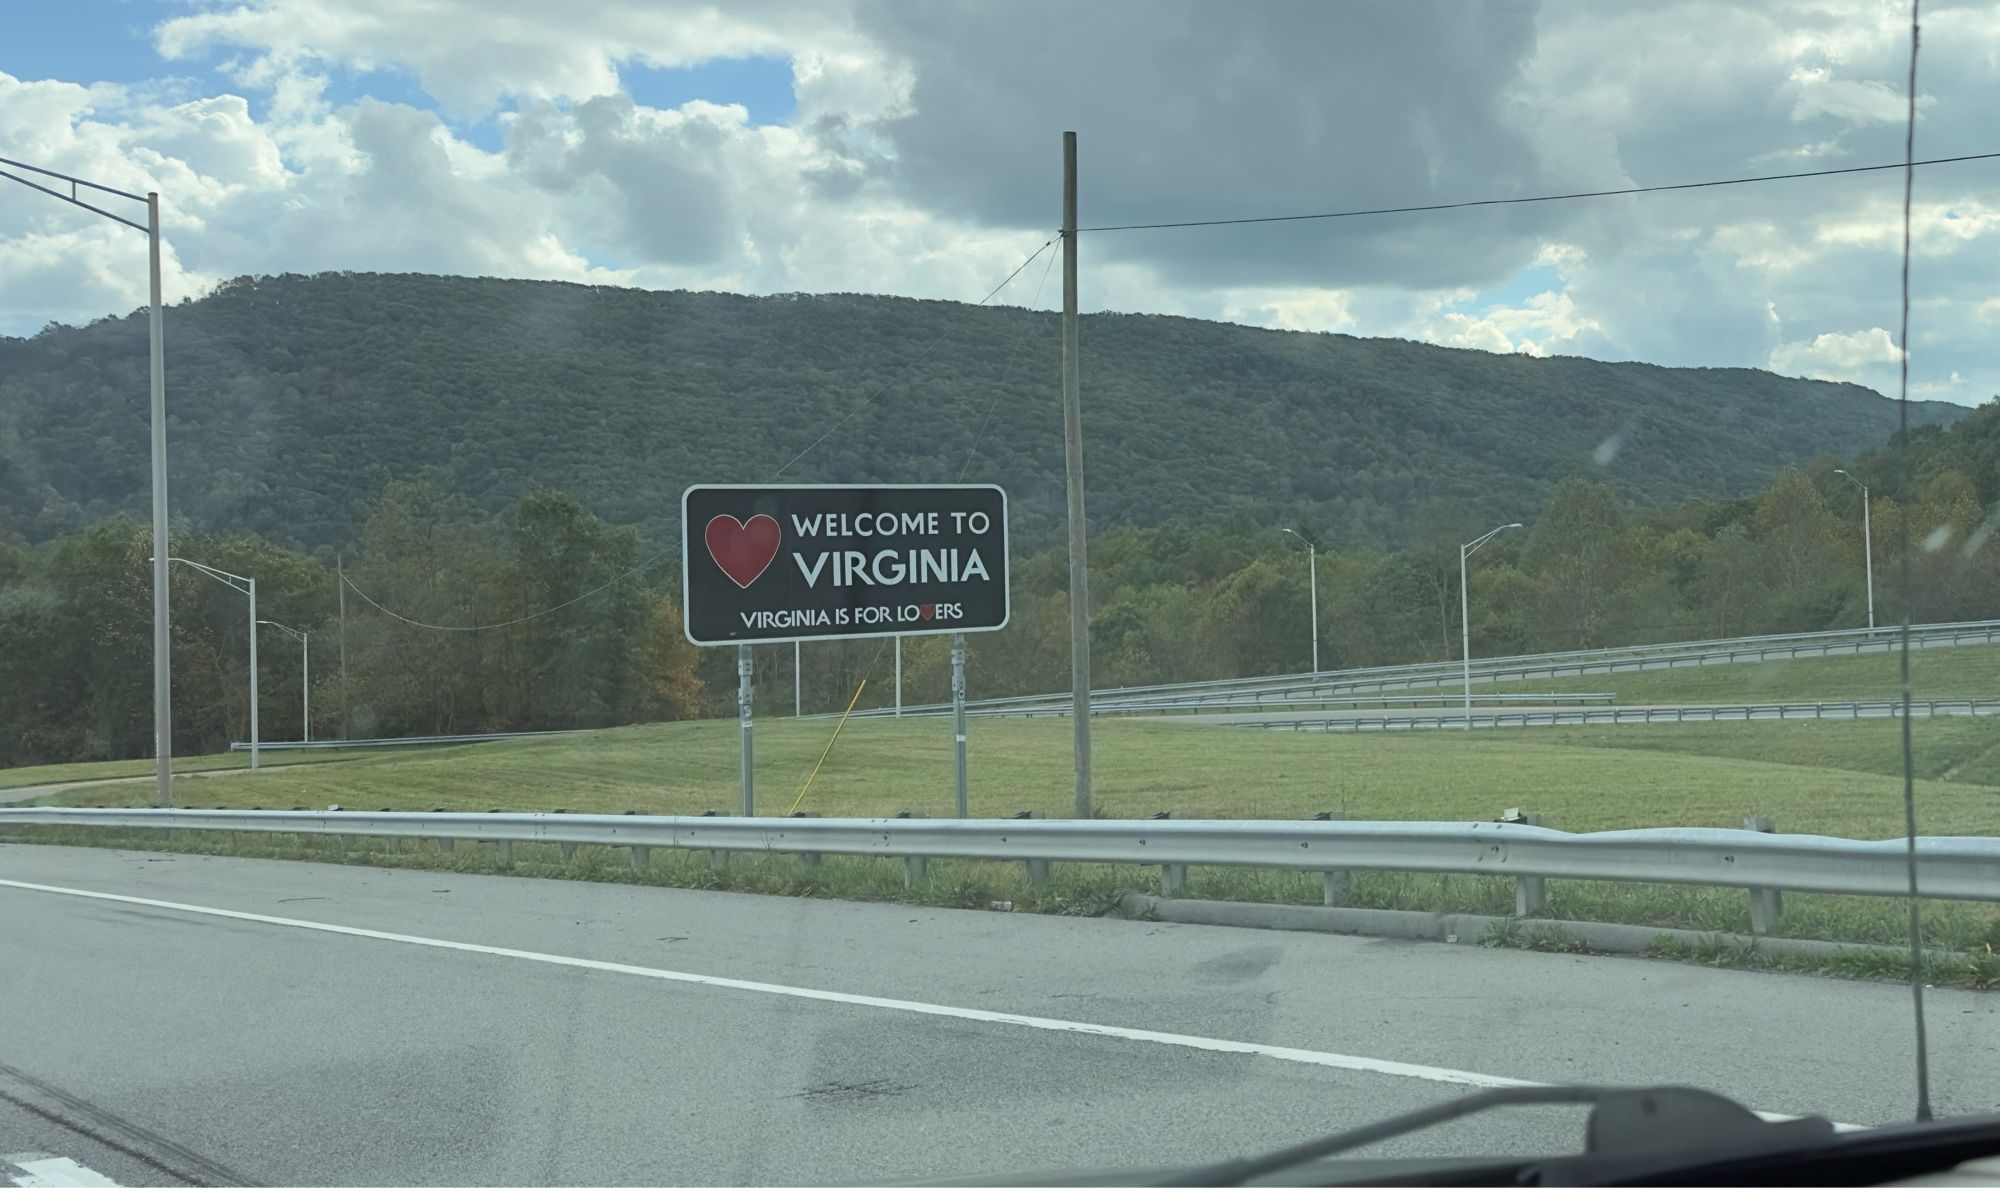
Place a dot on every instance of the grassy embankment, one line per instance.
(1838, 778)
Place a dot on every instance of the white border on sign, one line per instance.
(1006, 545)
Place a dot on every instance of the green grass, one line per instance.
(1972, 971)
(1966, 750)
(882, 766)
(1837, 778)
(1526, 934)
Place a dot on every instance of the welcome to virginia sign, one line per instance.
(782, 563)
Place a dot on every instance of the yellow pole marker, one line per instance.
(807, 787)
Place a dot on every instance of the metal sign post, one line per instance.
(777, 564)
(743, 716)
(785, 563)
(958, 713)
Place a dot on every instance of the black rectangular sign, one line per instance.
(764, 564)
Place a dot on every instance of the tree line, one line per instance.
(576, 627)
(296, 399)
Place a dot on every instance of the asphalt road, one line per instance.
(184, 1019)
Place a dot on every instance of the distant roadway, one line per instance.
(187, 1019)
(1510, 716)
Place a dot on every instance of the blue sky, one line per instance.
(88, 41)
(85, 40)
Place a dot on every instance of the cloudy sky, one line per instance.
(913, 147)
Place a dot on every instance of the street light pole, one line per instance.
(1867, 543)
(1465, 614)
(1312, 570)
(305, 675)
(242, 585)
(163, 686)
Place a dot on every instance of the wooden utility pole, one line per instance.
(1079, 565)
(346, 705)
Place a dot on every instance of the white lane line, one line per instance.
(1393, 1068)
(36, 1170)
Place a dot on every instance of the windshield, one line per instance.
(865, 592)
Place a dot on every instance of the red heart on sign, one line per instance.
(927, 609)
(743, 550)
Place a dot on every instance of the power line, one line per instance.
(1392, 210)
(643, 566)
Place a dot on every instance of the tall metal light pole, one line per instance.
(1465, 616)
(1312, 568)
(1867, 543)
(305, 676)
(242, 585)
(163, 688)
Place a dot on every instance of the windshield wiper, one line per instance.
(1645, 1122)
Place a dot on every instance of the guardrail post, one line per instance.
(916, 867)
(642, 856)
(1766, 905)
(1173, 875)
(810, 860)
(1038, 868)
(568, 848)
(717, 859)
(1531, 892)
(505, 849)
(445, 844)
(1334, 884)
(958, 714)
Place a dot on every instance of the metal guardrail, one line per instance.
(1109, 708)
(1641, 715)
(1432, 674)
(1948, 867)
(430, 740)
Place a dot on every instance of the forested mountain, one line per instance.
(296, 400)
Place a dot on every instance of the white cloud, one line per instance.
(1292, 309)
(921, 159)
(471, 56)
(1817, 92)
(1836, 355)
(1545, 324)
